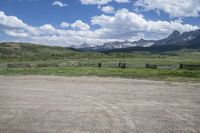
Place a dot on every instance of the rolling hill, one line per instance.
(27, 50)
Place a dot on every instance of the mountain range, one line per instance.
(114, 45)
(174, 41)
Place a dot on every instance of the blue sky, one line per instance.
(73, 22)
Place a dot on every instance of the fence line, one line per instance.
(189, 66)
(100, 64)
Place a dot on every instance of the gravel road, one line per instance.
(50, 104)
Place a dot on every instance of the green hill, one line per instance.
(11, 50)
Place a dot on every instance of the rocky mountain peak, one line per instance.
(175, 33)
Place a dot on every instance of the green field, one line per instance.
(74, 63)
(170, 75)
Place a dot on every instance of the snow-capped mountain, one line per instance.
(176, 39)
(144, 43)
(84, 45)
(181, 39)
(117, 45)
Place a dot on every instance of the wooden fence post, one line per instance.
(151, 66)
(181, 66)
(119, 65)
(99, 64)
(122, 65)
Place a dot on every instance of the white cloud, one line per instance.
(46, 34)
(101, 2)
(59, 3)
(17, 33)
(64, 25)
(122, 1)
(95, 2)
(79, 25)
(122, 25)
(175, 8)
(47, 27)
(13, 23)
(108, 9)
(125, 24)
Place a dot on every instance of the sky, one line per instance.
(74, 22)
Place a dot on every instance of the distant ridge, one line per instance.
(174, 41)
(116, 45)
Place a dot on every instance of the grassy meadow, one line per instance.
(75, 63)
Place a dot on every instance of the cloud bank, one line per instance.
(121, 25)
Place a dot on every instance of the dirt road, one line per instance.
(48, 104)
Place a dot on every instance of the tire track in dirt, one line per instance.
(119, 119)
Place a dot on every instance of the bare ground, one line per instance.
(48, 104)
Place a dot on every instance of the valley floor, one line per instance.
(92, 104)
